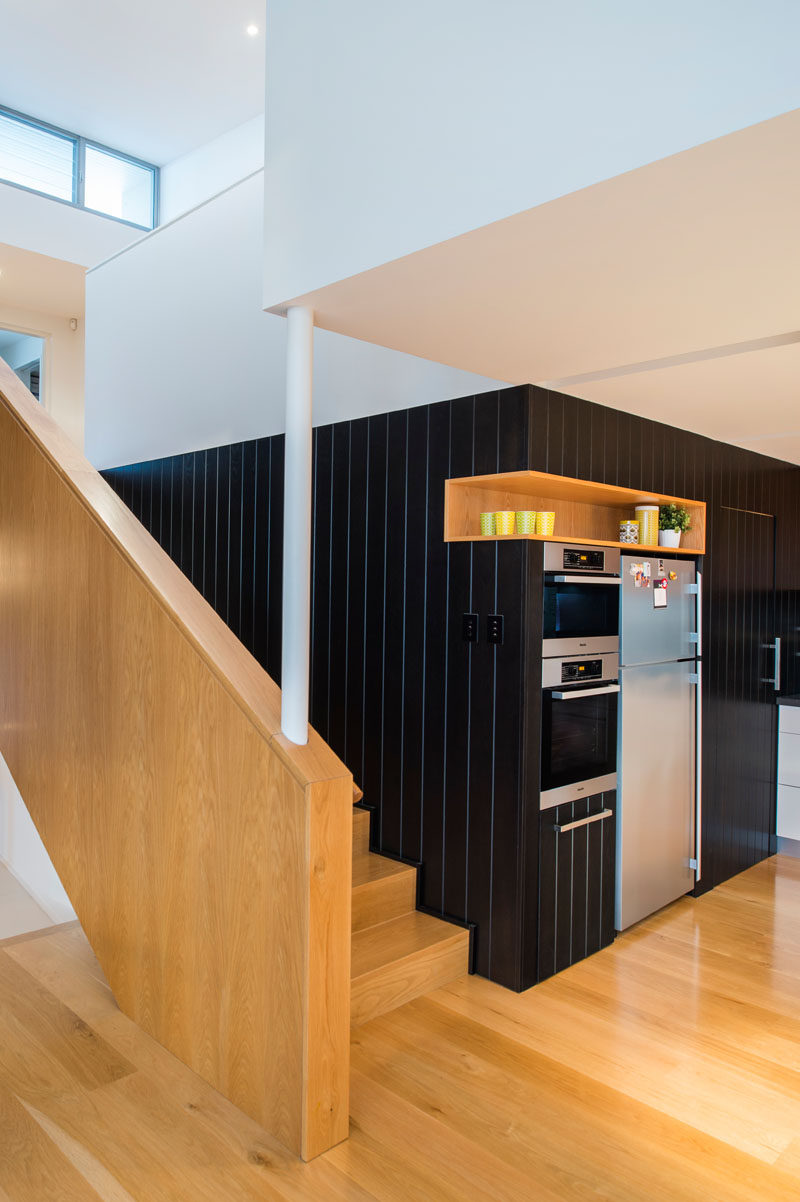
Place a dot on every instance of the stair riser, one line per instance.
(400, 982)
(379, 901)
(360, 832)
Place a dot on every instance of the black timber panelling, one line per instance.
(219, 515)
(443, 736)
(432, 727)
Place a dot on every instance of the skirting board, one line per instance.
(58, 912)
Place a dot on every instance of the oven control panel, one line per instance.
(586, 561)
(575, 670)
(567, 557)
(569, 670)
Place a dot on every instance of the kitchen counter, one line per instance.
(793, 699)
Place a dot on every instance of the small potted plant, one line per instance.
(673, 520)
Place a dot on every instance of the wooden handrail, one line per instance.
(207, 857)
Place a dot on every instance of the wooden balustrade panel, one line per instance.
(207, 858)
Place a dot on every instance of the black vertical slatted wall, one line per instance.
(434, 729)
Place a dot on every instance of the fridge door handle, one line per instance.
(698, 775)
(696, 637)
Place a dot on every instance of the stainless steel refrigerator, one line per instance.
(658, 761)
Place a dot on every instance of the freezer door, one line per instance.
(651, 633)
(655, 811)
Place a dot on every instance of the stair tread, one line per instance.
(369, 867)
(375, 947)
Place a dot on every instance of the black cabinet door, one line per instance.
(739, 700)
(576, 881)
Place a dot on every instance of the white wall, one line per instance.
(23, 852)
(62, 375)
(201, 174)
(394, 127)
(48, 227)
(180, 356)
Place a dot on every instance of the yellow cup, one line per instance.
(545, 521)
(504, 520)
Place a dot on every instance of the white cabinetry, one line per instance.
(788, 819)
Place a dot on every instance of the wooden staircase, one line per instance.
(397, 952)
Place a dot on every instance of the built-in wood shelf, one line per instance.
(586, 512)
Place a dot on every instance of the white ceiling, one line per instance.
(753, 396)
(35, 282)
(694, 252)
(154, 79)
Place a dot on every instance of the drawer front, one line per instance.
(789, 719)
(787, 825)
(789, 759)
(576, 882)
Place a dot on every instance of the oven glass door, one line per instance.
(583, 610)
(579, 734)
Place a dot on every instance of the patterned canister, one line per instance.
(545, 521)
(505, 520)
(526, 521)
(629, 532)
(647, 516)
(487, 523)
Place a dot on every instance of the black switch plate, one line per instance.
(494, 628)
(469, 628)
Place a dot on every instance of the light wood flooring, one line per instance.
(665, 1067)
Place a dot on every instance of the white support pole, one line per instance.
(297, 525)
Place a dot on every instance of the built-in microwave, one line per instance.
(581, 600)
(579, 728)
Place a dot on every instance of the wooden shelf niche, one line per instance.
(586, 512)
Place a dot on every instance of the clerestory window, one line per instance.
(76, 171)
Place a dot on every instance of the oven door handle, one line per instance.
(614, 580)
(573, 693)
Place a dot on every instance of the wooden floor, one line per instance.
(665, 1067)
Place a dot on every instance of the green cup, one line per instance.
(487, 523)
(526, 521)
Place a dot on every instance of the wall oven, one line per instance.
(581, 600)
(579, 727)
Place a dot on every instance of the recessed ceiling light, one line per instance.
(252, 31)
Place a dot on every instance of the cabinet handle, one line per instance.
(570, 826)
(775, 679)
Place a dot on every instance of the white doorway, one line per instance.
(24, 354)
